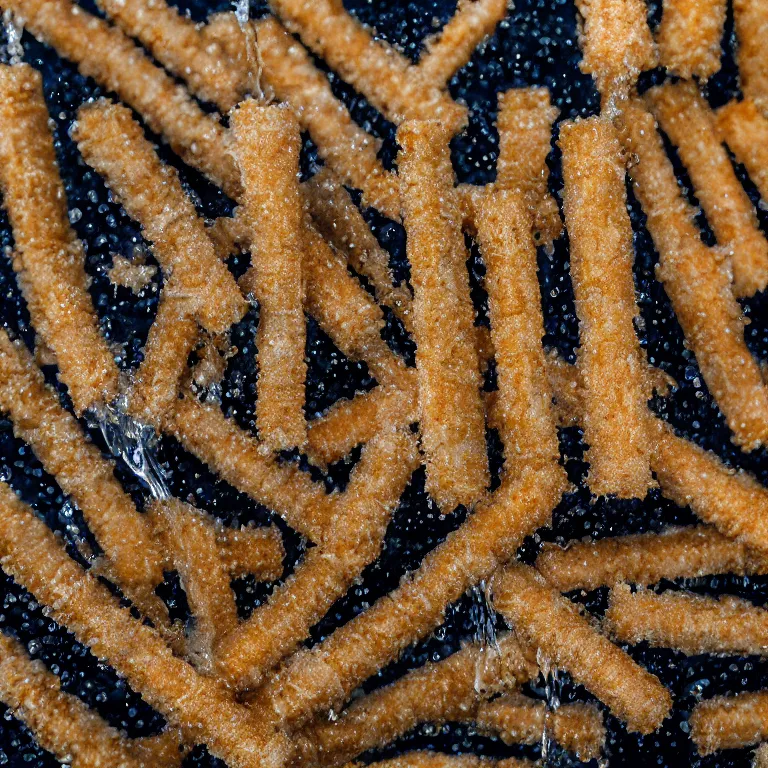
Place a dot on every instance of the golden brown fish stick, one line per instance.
(267, 145)
(518, 719)
(47, 256)
(60, 722)
(527, 423)
(451, 48)
(113, 143)
(236, 456)
(645, 558)
(450, 409)
(545, 620)
(317, 680)
(84, 474)
(744, 129)
(730, 722)
(697, 284)
(751, 21)
(685, 117)
(439, 760)
(340, 222)
(36, 560)
(175, 41)
(689, 37)
(436, 692)
(611, 363)
(342, 144)
(257, 551)
(617, 44)
(379, 72)
(104, 53)
(353, 541)
(524, 123)
(687, 622)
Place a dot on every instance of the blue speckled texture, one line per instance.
(535, 45)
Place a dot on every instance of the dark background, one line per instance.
(536, 45)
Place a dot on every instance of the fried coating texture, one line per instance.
(751, 21)
(730, 722)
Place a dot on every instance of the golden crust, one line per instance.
(48, 257)
(751, 22)
(611, 363)
(687, 120)
(545, 620)
(730, 722)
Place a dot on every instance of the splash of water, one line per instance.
(13, 51)
(482, 617)
(552, 693)
(252, 54)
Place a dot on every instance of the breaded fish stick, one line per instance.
(175, 41)
(257, 551)
(730, 722)
(611, 363)
(526, 419)
(745, 130)
(352, 542)
(687, 622)
(518, 719)
(551, 623)
(60, 722)
(689, 37)
(317, 680)
(36, 560)
(379, 72)
(446, 52)
(436, 692)
(340, 222)
(685, 117)
(450, 409)
(84, 474)
(439, 760)
(113, 143)
(751, 21)
(696, 283)
(645, 558)
(617, 44)
(267, 145)
(104, 53)
(232, 453)
(524, 123)
(47, 256)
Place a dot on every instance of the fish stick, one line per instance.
(166, 749)
(84, 474)
(451, 48)
(751, 21)
(760, 756)
(687, 622)
(192, 540)
(745, 130)
(689, 36)
(450, 409)
(175, 41)
(526, 419)
(341, 224)
(616, 43)
(645, 558)
(352, 542)
(322, 678)
(524, 122)
(255, 551)
(730, 722)
(234, 454)
(376, 70)
(342, 144)
(436, 692)
(685, 117)
(35, 559)
(113, 143)
(47, 256)
(545, 620)
(59, 721)
(697, 284)
(104, 53)
(439, 760)
(267, 145)
(610, 361)
(518, 719)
